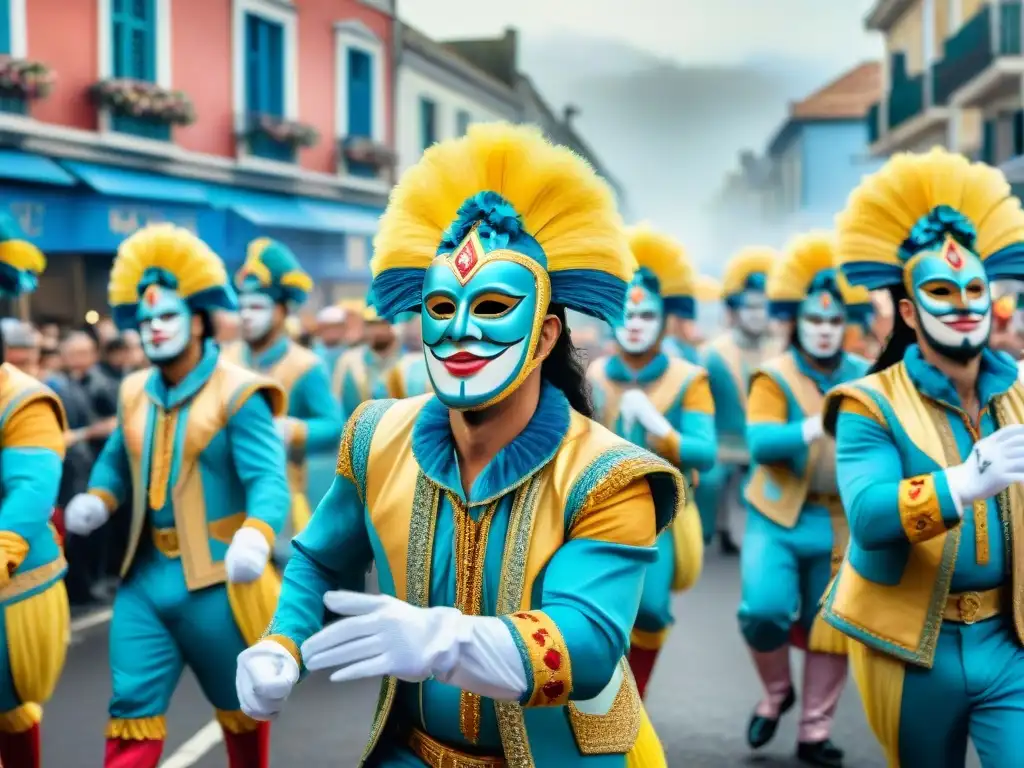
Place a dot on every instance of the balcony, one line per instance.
(983, 60)
(906, 100)
(908, 118)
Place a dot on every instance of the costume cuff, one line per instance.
(668, 447)
(263, 527)
(14, 547)
(107, 497)
(927, 508)
(545, 658)
(300, 434)
(289, 645)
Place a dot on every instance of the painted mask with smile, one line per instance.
(952, 298)
(165, 324)
(643, 319)
(481, 317)
(256, 310)
(821, 325)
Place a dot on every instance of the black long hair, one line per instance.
(564, 368)
(902, 335)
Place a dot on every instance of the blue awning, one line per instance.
(280, 211)
(125, 182)
(24, 166)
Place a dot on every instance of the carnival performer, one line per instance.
(35, 622)
(730, 360)
(680, 313)
(195, 444)
(523, 525)
(796, 529)
(662, 403)
(271, 283)
(330, 331)
(930, 460)
(369, 371)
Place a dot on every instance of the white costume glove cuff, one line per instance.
(812, 429)
(486, 659)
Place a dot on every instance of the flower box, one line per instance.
(25, 79)
(287, 132)
(145, 101)
(361, 150)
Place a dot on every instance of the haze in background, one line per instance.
(670, 90)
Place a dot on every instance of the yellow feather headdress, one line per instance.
(519, 193)
(272, 268)
(914, 203)
(665, 257)
(751, 264)
(807, 259)
(173, 257)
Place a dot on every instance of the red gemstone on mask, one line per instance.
(151, 295)
(466, 258)
(553, 660)
(636, 295)
(952, 255)
(554, 689)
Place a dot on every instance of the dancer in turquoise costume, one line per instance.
(330, 345)
(930, 461)
(510, 532)
(34, 613)
(730, 360)
(195, 445)
(664, 404)
(368, 372)
(796, 529)
(271, 283)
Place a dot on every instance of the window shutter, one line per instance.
(360, 94)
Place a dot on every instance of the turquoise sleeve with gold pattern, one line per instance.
(259, 459)
(771, 437)
(885, 508)
(571, 643)
(111, 478)
(692, 445)
(320, 411)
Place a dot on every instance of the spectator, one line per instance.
(49, 358)
(135, 357)
(51, 333)
(21, 345)
(114, 363)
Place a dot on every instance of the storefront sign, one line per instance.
(124, 221)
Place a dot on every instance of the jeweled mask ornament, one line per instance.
(165, 323)
(482, 313)
(821, 325)
(752, 309)
(952, 299)
(643, 318)
(256, 310)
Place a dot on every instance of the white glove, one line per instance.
(264, 678)
(247, 556)
(384, 636)
(636, 406)
(995, 463)
(286, 428)
(812, 428)
(85, 513)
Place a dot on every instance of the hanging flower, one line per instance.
(25, 78)
(289, 132)
(144, 100)
(362, 149)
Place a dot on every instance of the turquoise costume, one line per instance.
(796, 529)
(679, 392)
(544, 538)
(34, 613)
(364, 373)
(271, 270)
(730, 360)
(930, 591)
(198, 461)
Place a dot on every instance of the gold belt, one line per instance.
(969, 607)
(438, 755)
(167, 541)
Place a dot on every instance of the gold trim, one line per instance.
(437, 755)
(648, 641)
(288, 644)
(235, 721)
(616, 731)
(549, 658)
(250, 522)
(972, 607)
(137, 728)
(108, 499)
(161, 456)
(21, 718)
(24, 582)
(920, 510)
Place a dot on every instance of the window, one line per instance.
(9, 103)
(462, 121)
(133, 47)
(264, 83)
(428, 123)
(360, 105)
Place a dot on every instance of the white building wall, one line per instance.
(413, 85)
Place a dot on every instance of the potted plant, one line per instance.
(291, 133)
(24, 80)
(363, 150)
(144, 101)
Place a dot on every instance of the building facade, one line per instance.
(235, 118)
(821, 151)
(439, 94)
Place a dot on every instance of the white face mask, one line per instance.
(165, 324)
(821, 325)
(257, 313)
(752, 316)
(642, 321)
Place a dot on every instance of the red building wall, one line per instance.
(201, 64)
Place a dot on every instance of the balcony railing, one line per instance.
(872, 119)
(906, 100)
(973, 49)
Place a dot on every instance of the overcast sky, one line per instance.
(690, 31)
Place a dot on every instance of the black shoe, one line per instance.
(761, 730)
(728, 546)
(822, 753)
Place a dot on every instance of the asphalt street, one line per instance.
(699, 700)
